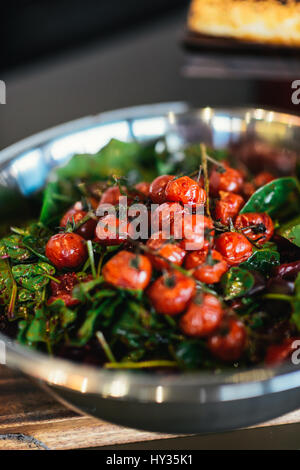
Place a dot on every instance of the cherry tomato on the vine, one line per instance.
(225, 179)
(171, 293)
(229, 342)
(256, 226)
(203, 316)
(66, 250)
(157, 189)
(110, 231)
(86, 230)
(111, 196)
(193, 259)
(234, 247)
(128, 270)
(263, 178)
(228, 206)
(185, 190)
(212, 268)
(143, 189)
(197, 232)
(165, 248)
(165, 215)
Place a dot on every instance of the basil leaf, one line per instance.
(236, 282)
(262, 260)
(291, 231)
(273, 196)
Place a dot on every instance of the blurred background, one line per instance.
(64, 59)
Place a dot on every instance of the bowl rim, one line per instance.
(187, 387)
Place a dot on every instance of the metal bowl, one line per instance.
(173, 403)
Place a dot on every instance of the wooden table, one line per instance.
(31, 419)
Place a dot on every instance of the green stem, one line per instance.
(12, 302)
(91, 258)
(204, 158)
(140, 365)
(36, 253)
(286, 298)
(105, 346)
(52, 278)
(100, 261)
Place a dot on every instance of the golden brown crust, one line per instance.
(268, 21)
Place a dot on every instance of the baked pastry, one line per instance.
(275, 22)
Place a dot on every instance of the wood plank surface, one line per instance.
(31, 419)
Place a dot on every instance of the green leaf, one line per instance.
(37, 330)
(262, 260)
(13, 248)
(59, 195)
(236, 283)
(291, 230)
(66, 315)
(274, 196)
(32, 276)
(6, 282)
(190, 354)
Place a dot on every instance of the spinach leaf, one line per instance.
(13, 248)
(59, 195)
(236, 282)
(291, 231)
(274, 196)
(6, 282)
(33, 276)
(262, 260)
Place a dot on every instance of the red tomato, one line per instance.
(262, 226)
(227, 179)
(228, 344)
(111, 196)
(197, 232)
(194, 258)
(63, 290)
(170, 294)
(86, 230)
(234, 247)
(110, 231)
(263, 178)
(143, 189)
(185, 190)
(278, 353)
(211, 271)
(128, 270)
(228, 207)
(157, 188)
(164, 216)
(66, 250)
(168, 250)
(202, 318)
(248, 189)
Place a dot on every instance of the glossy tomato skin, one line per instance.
(143, 189)
(211, 274)
(228, 207)
(66, 250)
(228, 344)
(157, 189)
(110, 231)
(234, 247)
(202, 318)
(197, 232)
(185, 190)
(193, 259)
(171, 294)
(264, 227)
(128, 270)
(164, 216)
(168, 250)
(263, 178)
(278, 353)
(111, 196)
(86, 230)
(229, 180)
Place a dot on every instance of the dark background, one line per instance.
(65, 59)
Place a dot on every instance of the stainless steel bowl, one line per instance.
(182, 403)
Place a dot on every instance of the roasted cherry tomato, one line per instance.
(234, 247)
(86, 230)
(165, 215)
(197, 232)
(66, 250)
(229, 342)
(212, 269)
(143, 189)
(63, 289)
(185, 190)
(157, 188)
(111, 196)
(263, 178)
(228, 207)
(171, 293)
(225, 179)
(278, 353)
(255, 226)
(248, 189)
(203, 316)
(165, 248)
(128, 270)
(110, 231)
(193, 259)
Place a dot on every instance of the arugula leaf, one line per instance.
(262, 260)
(236, 282)
(291, 231)
(272, 197)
